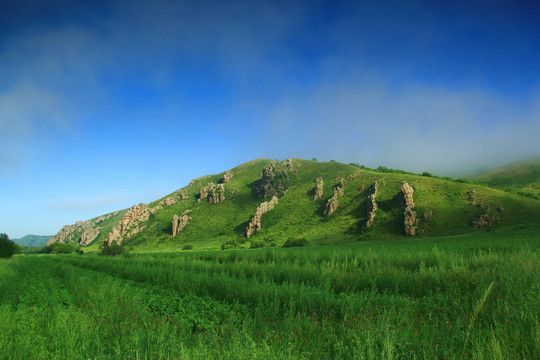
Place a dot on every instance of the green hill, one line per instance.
(521, 178)
(218, 212)
(32, 240)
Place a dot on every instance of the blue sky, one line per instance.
(106, 104)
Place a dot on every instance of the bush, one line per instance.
(256, 244)
(7, 247)
(112, 250)
(295, 242)
(58, 248)
(80, 251)
(426, 174)
(187, 247)
(227, 246)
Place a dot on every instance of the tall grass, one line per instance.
(379, 300)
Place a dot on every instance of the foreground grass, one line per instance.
(470, 297)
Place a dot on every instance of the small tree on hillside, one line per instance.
(7, 247)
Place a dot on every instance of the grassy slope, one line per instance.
(297, 215)
(521, 177)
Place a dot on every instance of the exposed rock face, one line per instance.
(180, 222)
(483, 221)
(203, 193)
(275, 179)
(217, 195)
(131, 223)
(411, 221)
(228, 176)
(318, 189)
(333, 203)
(181, 194)
(351, 177)
(83, 232)
(169, 201)
(372, 204)
(255, 223)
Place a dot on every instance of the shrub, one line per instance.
(256, 244)
(313, 159)
(7, 247)
(58, 248)
(295, 242)
(227, 246)
(187, 247)
(80, 251)
(112, 250)
(426, 174)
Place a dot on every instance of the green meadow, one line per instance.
(472, 296)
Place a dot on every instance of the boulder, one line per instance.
(410, 217)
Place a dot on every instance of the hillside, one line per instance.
(32, 240)
(216, 210)
(521, 178)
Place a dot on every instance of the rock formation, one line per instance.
(180, 222)
(169, 201)
(228, 176)
(333, 203)
(83, 232)
(318, 189)
(483, 221)
(131, 224)
(372, 204)
(255, 223)
(203, 192)
(275, 179)
(411, 221)
(217, 195)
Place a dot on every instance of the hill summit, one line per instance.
(269, 202)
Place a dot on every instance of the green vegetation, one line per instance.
(472, 296)
(296, 215)
(519, 178)
(32, 240)
(113, 250)
(7, 247)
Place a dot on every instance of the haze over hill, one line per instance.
(106, 104)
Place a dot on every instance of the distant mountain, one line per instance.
(269, 202)
(32, 240)
(521, 178)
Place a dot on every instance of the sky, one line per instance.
(106, 104)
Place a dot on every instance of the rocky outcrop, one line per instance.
(228, 176)
(180, 222)
(169, 201)
(203, 192)
(472, 196)
(255, 223)
(372, 204)
(275, 179)
(217, 195)
(333, 203)
(484, 221)
(132, 223)
(181, 194)
(83, 232)
(318, 192)
(411, 220)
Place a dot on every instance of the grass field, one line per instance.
(471, 296)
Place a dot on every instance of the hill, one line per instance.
(521, 178)
(268, 202)
(32, 240)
